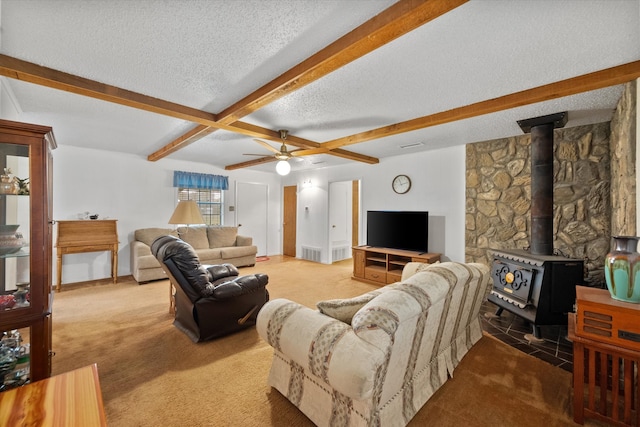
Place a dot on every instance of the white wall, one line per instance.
(438, 186)
(139, 194)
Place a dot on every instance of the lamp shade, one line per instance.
(186, 212)
(283, 167)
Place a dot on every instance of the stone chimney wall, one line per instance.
(594, 190)
(623, 167)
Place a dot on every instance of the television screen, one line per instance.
(407, 230)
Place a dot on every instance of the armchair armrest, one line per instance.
(240, 286)
(139, 249)
(244, 241)
(220, 271)
(334, 353)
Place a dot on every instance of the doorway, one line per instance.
(289, 224)
(251, 213)
(344, 218)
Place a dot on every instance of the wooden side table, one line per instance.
(606, 354)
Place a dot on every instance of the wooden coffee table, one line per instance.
(70, 399)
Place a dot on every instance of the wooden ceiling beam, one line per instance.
(298, 153)
(248, 163)
(18, 69)
(395, 21)
(572, 86)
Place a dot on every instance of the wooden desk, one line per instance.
(66, 400)
(606, 357)
(81, 236)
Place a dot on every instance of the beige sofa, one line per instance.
(214, 245)
(374, 360)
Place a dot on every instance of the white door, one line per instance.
(340, 220)
(251, 213)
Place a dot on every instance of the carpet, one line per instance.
(151, 374)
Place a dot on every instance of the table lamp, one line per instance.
(187, 213)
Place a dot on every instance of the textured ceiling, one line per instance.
(210, 54)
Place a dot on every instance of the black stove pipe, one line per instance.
(542, 189)
(541, 129)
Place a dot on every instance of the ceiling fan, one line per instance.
(283, 155)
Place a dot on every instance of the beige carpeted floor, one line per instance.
(151, 374)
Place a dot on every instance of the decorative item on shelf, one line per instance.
(622, 269)
(7, 302)
(94, 216)
(11, 240)
(8, 362)
(23, 186)
(22, 294)
(8, 184)
(18, 374)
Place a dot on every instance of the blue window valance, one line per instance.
(201, 181)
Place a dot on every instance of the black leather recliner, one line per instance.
(211, 301)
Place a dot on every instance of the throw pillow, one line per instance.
(222, 237)
(425, 266)
(344, 309)
(195, 236)
(148, 235)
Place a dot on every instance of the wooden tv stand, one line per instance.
(382, 266)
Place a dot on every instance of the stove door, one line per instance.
(513, 280)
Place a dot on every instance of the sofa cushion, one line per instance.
(148, 235)
(195, 236)
(238, 251)
(222, 237)
(210, 256)
(344, 309)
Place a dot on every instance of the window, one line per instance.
(210, 203)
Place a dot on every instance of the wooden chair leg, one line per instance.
(172, 299)
(242, 320)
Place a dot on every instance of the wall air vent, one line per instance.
(311, 253)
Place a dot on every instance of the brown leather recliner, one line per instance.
(211, 301)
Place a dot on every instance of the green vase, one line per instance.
(622, 269)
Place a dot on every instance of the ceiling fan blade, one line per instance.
(267, 146)
(252, 154)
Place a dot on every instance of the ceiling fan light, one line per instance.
(283, 167)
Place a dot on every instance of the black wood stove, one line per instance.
(537, 284)
(539, 288)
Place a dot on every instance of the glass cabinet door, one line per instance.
(15, 275)
(15, 227)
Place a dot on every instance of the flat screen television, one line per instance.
(407, 230)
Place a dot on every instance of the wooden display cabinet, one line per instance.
(25, 252)
(382, 266)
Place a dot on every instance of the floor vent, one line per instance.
(311, 254)
(339, 253)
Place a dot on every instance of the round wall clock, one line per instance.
(401, 184)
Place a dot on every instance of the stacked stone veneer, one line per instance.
(498, 196)
(594, 190)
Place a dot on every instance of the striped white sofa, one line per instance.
(374, 360)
